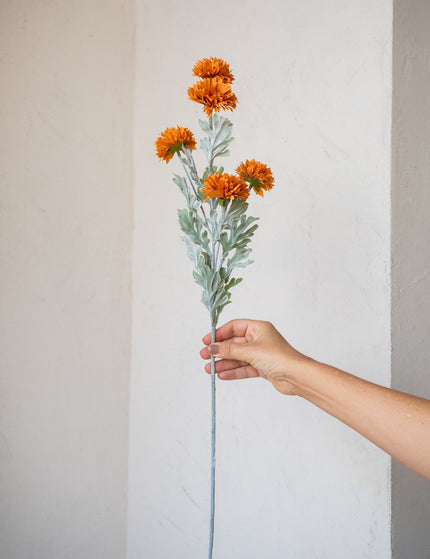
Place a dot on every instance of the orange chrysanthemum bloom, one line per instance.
(173, 140)
(222, 185)
(257, 175)
(214, 94)
(213, 67)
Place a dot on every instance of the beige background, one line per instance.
(66, 224)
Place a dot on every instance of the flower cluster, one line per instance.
(213, 91)
(250, 175)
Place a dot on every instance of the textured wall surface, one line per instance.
(66, 219)
(314, 86)
(314, 82)
(411, 255)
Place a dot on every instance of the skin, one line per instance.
(398, 423)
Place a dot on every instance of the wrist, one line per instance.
(301, 374)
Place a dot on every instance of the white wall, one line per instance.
(66, 219)
(314, 88)
(411, 256)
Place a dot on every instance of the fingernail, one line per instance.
(213, 349)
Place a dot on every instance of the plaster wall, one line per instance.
(314, 86)
(411, 256)
(316, 90)
(65, 244)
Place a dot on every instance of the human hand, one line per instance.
(253, 348)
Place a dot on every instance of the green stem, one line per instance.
(222, 221)
(211, 158)
(194, 190)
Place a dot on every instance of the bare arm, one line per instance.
(396, 422)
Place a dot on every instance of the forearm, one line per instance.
(396, 422)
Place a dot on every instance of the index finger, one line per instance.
(233, 328)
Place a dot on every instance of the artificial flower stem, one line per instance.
(214, 319)
(211, 158)
(188, 177)
(213, 440)
(194, 190)
(222, 221)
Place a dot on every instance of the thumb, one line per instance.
(229, 350)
